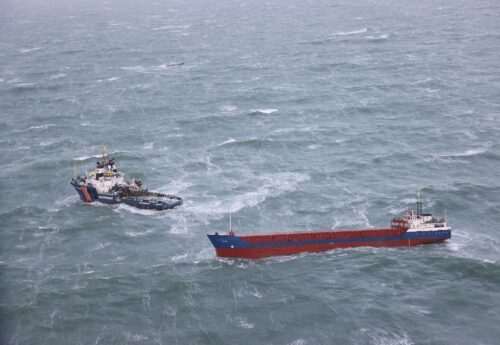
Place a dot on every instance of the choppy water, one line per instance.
(291, 115)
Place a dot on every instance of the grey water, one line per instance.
(291, 115)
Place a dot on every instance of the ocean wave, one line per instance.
(43, 127)
(29, 50)
(262, 111)
(229, 141)
(67, 201)
(466, 153)
(204, 255)
(243, 323)
(84, 158)
(335, 36)
(252, 142)
(135, 234)
(175, 186)
(24, 86)
(380, 337)
(57, 76)
(348, 33)
(377, 38)
(151, 69)
(270, 185)
(120, 208)
(171, 27)
(228, 108)
(299, 341)
(148, 146)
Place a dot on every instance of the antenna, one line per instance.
(74, 169)
(419, 203)
(104, 152)
(231, 232)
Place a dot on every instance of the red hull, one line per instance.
(262, 252)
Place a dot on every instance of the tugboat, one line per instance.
(412, 229)
(107, 185)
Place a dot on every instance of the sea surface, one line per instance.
(291, 115)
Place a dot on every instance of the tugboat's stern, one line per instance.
(170, 203)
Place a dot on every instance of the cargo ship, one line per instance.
(412, 229)
(107, 185)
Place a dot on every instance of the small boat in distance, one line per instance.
(107, 185)
(412, 229)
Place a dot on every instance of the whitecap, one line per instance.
(25, 85)
(57, 76)
(28, 50)
(69, 200)
(148, 146)
(299, 341)
(139, 233)
(135, 337)
(42, 126)
(138, 68)
(377, 38)
(84, 158)
(179, 227)
(386, 338)
(149, 69)
(204, 255)
(171, 27)
(46, 142)
(244, 323)
(347, 33)
(179, 257)
(100, 246)
(229, 141)
(270, 185)
(472, 152)
(134, 210)
(264, 111)
(175, 187)
(228, 108)
(466, 153)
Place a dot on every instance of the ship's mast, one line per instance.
(231, 232)
(104, 153)
(419, 203)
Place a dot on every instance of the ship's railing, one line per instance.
(399, 223)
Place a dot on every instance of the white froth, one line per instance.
(28, 50)
(347, 33)
(264, 111)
